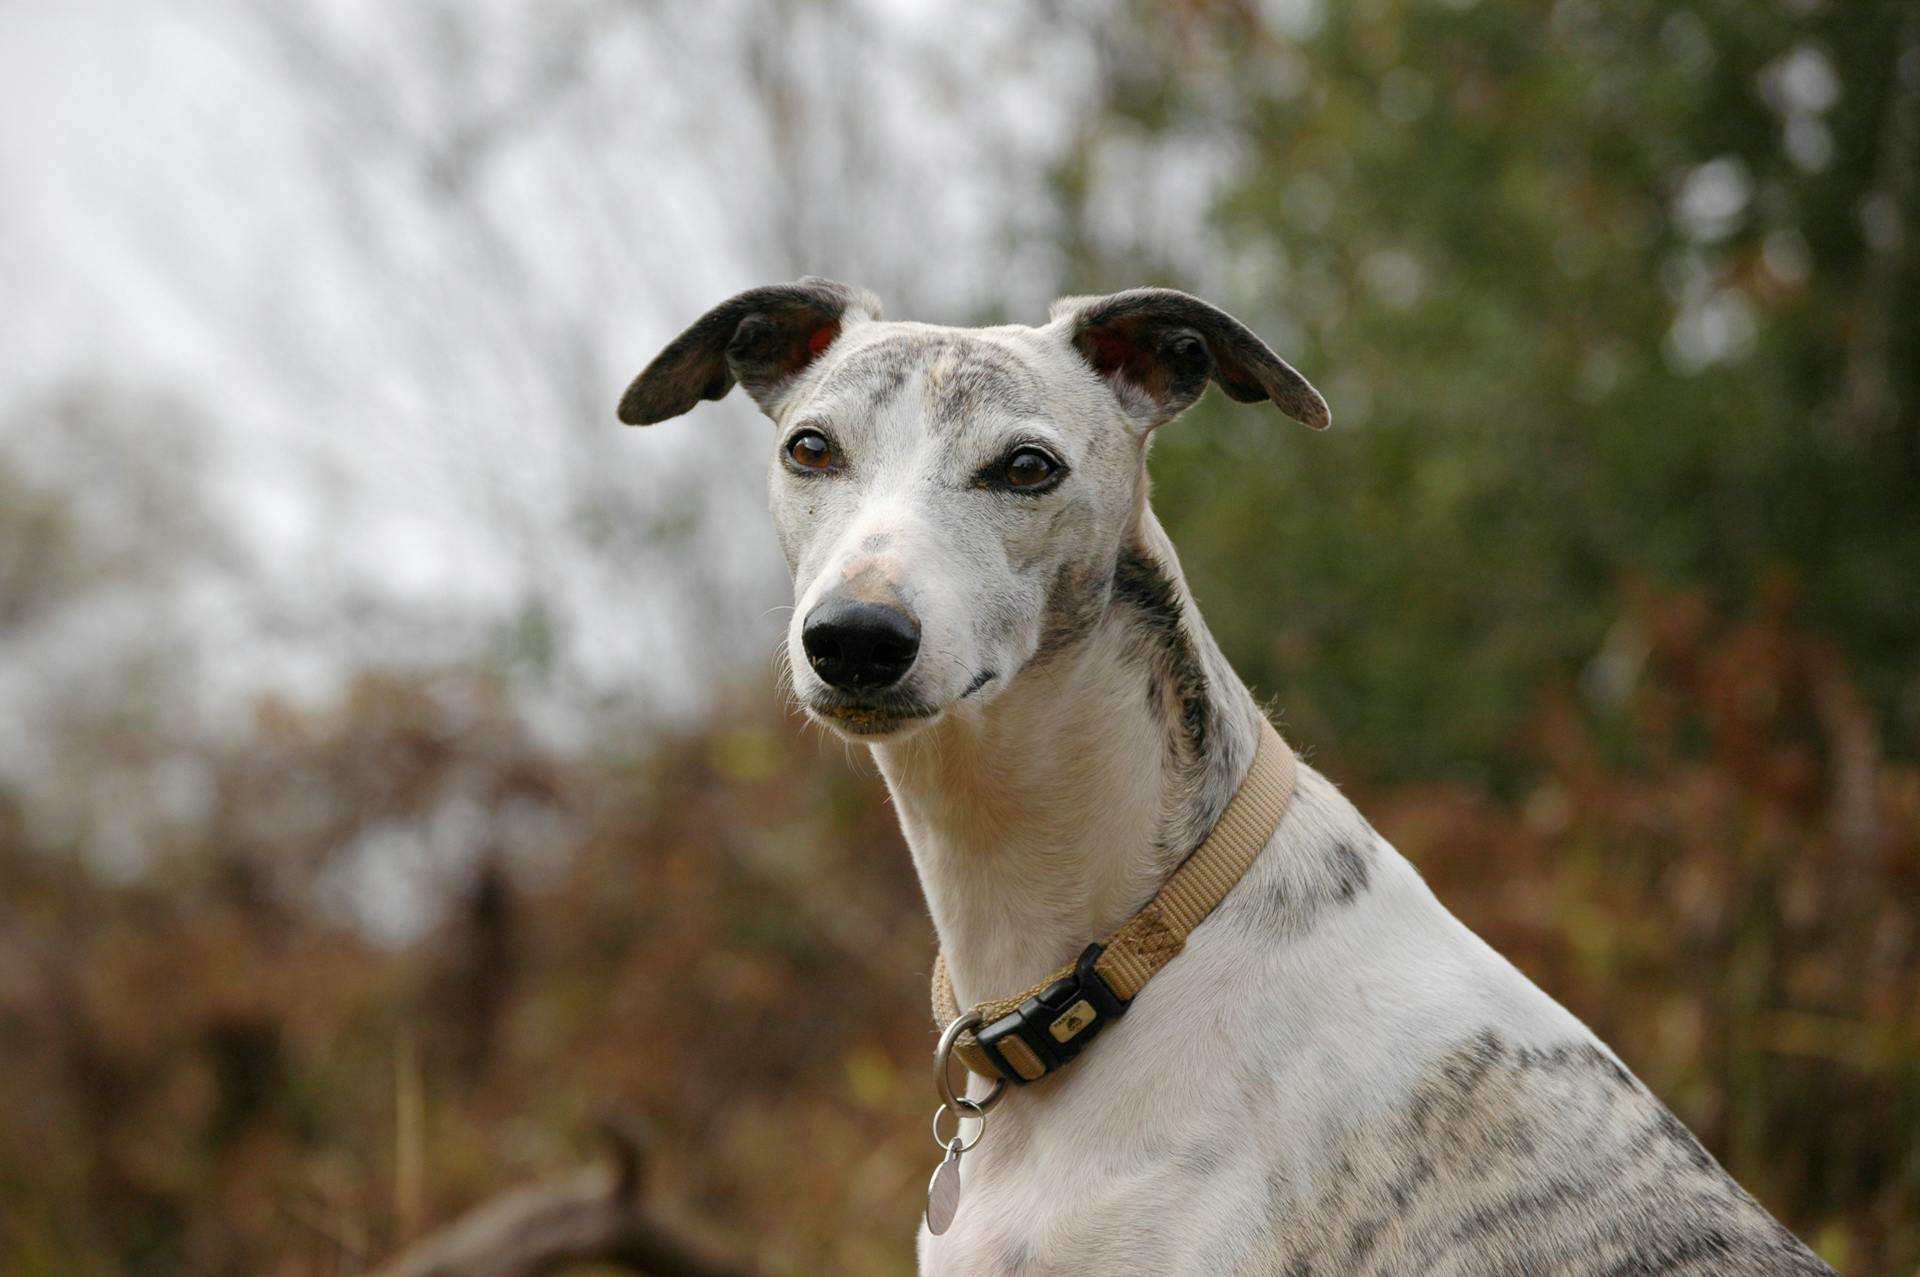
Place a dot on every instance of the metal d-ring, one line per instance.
(942, 1054)
(968, 1113)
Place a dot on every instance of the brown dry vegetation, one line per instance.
(207, 1071)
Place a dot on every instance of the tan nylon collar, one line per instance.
(1139, 948)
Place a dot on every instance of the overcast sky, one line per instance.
(359, 286)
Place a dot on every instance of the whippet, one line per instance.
(1333, 1075)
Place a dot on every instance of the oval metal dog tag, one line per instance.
(943, 1194)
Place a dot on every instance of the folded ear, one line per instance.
(763, 338)
(1157, 347)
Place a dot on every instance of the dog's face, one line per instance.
(952, 502)
(944, 499)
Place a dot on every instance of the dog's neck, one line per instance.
(1043, 821)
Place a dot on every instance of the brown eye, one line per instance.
(810, 451)
(1030, 468)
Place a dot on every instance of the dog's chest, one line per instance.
(1150, 1154)
(1125, 1183)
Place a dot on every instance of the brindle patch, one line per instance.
(1076, 598)
(1350, 873)
(876, 373)
(966, 379)
(1529, 1161)
(1175, 673)
(1290, 891)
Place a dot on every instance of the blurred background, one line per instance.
(392, 770)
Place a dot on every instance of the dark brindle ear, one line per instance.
(1157, 347)
(763, 339)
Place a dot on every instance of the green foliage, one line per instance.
(1584, 321)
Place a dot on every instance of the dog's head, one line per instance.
(952, 502)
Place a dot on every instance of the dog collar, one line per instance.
(1025, 1037)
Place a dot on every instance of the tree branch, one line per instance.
(593, 1217)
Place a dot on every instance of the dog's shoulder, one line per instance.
(1425, 1108)
(1545, 1159)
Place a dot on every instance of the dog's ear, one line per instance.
(1157, 347)
(763, 338)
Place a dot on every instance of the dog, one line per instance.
(1335, 1076)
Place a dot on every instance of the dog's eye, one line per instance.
(1030, 468)
(810, 450)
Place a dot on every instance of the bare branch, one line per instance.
(593, 1217)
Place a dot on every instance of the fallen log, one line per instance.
(593, 1217)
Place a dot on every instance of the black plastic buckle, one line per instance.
(1058, 1022)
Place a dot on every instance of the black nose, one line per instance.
(855, 644)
